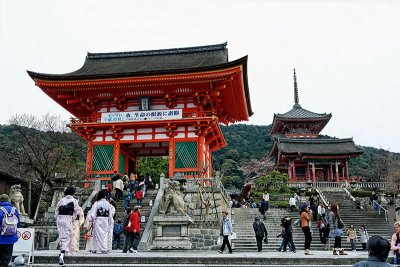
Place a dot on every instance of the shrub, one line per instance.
(279, 204)
(360, 193)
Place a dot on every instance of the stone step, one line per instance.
(201, 258)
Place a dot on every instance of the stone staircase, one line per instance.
(243, 226)
(375, 224)
(120, 214)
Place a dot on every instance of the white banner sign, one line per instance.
(151, 115)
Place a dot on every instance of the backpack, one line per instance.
(10, 222)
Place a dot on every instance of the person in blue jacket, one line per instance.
(8, 231)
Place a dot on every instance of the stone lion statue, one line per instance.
(17, 198)
(173, 199)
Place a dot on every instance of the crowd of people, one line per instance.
(102, 233)
(327, 221)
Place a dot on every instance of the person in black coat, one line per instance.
(260, 231)
(263, 208)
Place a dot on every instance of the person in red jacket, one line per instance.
(139, 197)
(133, 229)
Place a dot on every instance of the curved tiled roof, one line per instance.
(300, 113)
(323, 146)
(144, 62)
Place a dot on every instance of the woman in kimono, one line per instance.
(76, 230)
(66, 211)
(100, 217)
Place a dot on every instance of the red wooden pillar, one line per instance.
(134, 159)
(343, 170)
(171, 162)
(290, 171)
(209, 162)
(331, 172)
(89, 158)
(294, 171)
(117, 151)
(127, 161)
(201, 162)
(347, 169)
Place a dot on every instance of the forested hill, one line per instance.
(244, 142)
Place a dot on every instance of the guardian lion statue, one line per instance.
(173, 198)
(17, 198)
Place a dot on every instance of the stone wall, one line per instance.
(204, 236)
(205, 204)
(205, 208)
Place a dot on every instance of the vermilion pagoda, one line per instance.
(299, 150)
(152, 103)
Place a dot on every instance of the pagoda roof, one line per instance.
(137, 63)
(297, 112)
(315, 147)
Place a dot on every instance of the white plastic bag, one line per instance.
(219, 240)
(233, 236)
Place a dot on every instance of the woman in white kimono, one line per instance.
(76, 230)
(66, 211)
(100, 217)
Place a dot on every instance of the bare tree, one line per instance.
(392, 175)
(38, 149)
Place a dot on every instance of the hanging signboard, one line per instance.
(144, 115)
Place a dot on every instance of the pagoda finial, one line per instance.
(296, 92)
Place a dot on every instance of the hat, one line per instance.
(226, 212)
(137, 207)
(304, 206)
(4, 198)
(256, 219)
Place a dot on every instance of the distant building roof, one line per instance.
(297, 112)
(145, 62)
(323, 146)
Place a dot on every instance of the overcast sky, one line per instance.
(346, 53)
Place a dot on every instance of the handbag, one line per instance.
(348, 240)
(233, 236)
(219, 240)
(340, 224)
(266, 240)
(337, 232)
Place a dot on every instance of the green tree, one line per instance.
(235, 181)
(153, 166)
(233, 154)
(229, 167)
(274, 179)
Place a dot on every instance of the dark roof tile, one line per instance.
(300, 113)
(323, 146)
(148, 61)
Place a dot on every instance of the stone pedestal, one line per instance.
(172, 232)
(25, 221)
